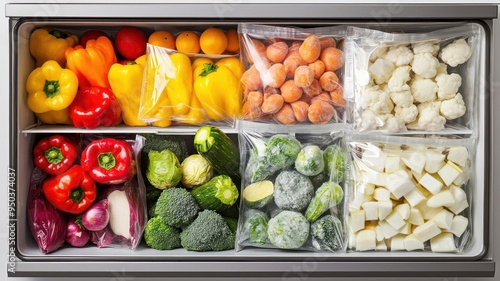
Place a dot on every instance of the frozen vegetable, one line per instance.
(208, 232)
(381, 70)
(327, 234)
(195, 171)
(255, 226)
(258, 194)
(161, 236)
(258, 168)
(335, 162)
(164, 170)
(288, 230)
(453, 108)
(328, 195)
(423, 89)
(376, 100)
(406, 114)
(399, 78)
(399, 55)
(217, 194)
(177, 207)
(456, 53)
(282, 150)
(425, 47)
(425, 65)
(310, 161)
(293, 191)
(429, 118)
(448, 85)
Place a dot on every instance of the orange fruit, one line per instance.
(213, 41)
(233, 45)
(162, 38)
(188, 42)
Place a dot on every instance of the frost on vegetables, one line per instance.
(406, 76)
(405, 198)
(288, 230)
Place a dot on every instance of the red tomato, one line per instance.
(130, 42)
(91, 35)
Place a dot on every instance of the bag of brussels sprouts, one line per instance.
(292, 187)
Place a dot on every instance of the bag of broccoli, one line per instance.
(292, 196)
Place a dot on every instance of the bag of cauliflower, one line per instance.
(418, 82)
(292, 187)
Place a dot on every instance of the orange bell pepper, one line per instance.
(92, 63)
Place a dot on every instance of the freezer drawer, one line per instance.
(251, 262)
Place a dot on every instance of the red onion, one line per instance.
(76, 235)
(96, 217)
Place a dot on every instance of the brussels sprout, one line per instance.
(288, 230)
(334, 157)
(310, 161)
(327, 234)
(164, 169)
(292, 191)
(258, 168)
(195, 171)
(255, 226)
(328, 195)
(282, 150)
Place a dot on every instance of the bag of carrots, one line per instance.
(293, 75)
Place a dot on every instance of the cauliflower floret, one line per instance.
(384, 87)
(425, 47)
(423, 89)
(406, 114)
(399, 55)
(379, 52)
(402, 98)
(442, 69)
(425, 65)
(448, 85)
(381, 70)
(456, 53)
(368, 121)
(376, 100)
(453, 108)
(428, 117)
(399, 77)
(392, 124)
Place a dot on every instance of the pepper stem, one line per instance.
(54, 155)
(77, 194)
(106, 160)
(51, 88)
(208, 68)
(58, 34)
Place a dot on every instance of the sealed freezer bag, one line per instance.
(410, 194)
(292, 195)
(425, 82)
(293, 75)
(190, 89)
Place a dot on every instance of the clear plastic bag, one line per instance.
(415, 82)
(293, 75)
(292, 195)
(410, 193)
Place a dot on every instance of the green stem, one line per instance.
(77, 194)
(58, 34)
(106, 160)
(51, 88)
(208, 68)
(53, 155)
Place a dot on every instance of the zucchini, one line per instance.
(258, 194)
(218, 194)
(218, 149)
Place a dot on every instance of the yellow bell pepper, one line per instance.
(126, 83)
(218, 90)
(46, 44)
(198, 67)
(51, 88)
(163, 114)
(234, 64)
(55, 117)
(180, 85)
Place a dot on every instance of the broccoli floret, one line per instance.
(292, 191)
(327, 234)
(177, 207)
(152, 193)
(258, 168)
(282, 150)
(310, 161)
(288, 230)
(208, 232)
(160, 236)
(151, 209)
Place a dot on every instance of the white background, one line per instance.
(4, 129)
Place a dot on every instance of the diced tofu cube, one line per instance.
(399, 184)
(392, 164)
(458, 155)
(384, 209)
(403, 210)
(458, 193)
(398, 243)
(428, 212)
(406, 229)
(441, 199)
(430, 183)
(375, 178)
(443, 243)
(459, 225)
(381, 246)
(463, 177)
(366, 240)
(395, 220)
(412, 243)
(380, 233)
(357, 220)
(457, 208)
(381, 194)
(434, 162)
(414, 197)
(415, 161)
(444, 219)
(371, 210)
(449, 173)
(388, 230)
(416, 217)
(374, 159)
(366, 188)
(426, 231)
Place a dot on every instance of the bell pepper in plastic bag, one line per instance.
(93, 107)
(54, 154)
(180, 85)
(92, 63)
(47, 44)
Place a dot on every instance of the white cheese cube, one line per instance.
(398, 243)
(443, 243)
(414, 197)
(434, 162)
(443, 219)
(371, 210)
(458, 155)
(403, 210)
(381, 194)
(441, 199)
(399, 184)
(375, 178)
(458, 194)
(426, 231)
(415, 161)
(406, 229)
(380, 233)
(381, 246)
(459, 225)
(384, 209)
(374, 159)
(357, 220)
(428, 212)
(431, 183)
(412, 243)
(463, 177)
(366, 240)
(449, 173)
(416, 217)
(366, 188)
(392, 164)
(458, 207)
(395, 220)
(388, 230)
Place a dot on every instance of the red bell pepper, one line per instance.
(93, 107)
(72, 191)
(109, 161)
(54, 154)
